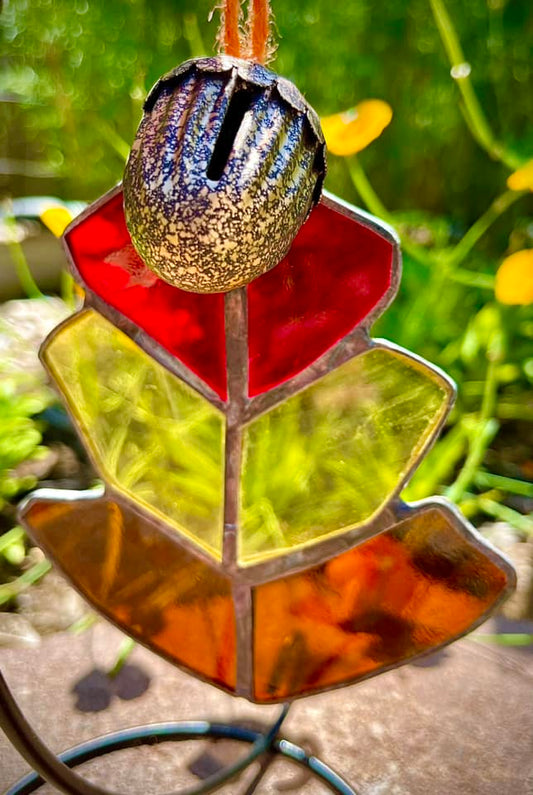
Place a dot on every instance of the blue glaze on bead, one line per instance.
(212, 235)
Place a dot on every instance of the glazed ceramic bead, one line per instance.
(226, 165)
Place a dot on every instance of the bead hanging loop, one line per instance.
(254, 40)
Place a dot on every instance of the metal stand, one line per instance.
(57, 770)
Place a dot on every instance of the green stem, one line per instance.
(191, 32)
(489, 481)
(365, 190)
(67, 289)
(487, 428)
(84, 623)
(514, 411)
(11, 537)
(446, 260)
(506, 514)
(373, 203)
(483, 223)
(486, 433)
(126, 648)
(10, 589)
(20, 262)
(112, 137)
(504, 638)
(473, 112)
(490, 391)
(471, 278)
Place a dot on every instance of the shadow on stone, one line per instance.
(96, 690)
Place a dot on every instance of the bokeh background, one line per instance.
(74, 75)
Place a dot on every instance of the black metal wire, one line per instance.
(57, 770)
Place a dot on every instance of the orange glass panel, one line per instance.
(400, 594)
(141, 579)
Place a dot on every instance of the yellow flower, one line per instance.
(56, 219)
(514, 279)
(353, 130)
(522, 179)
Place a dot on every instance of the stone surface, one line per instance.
(16, 631)
(520, 604)
(23, 326)
(461, 723)
(519, 550)
(51, 605)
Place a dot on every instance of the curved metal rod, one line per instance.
(185, 730)
(56, 772)
(176, 732)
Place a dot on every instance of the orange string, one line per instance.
(231, 40)
(259, 29)
(257, 45)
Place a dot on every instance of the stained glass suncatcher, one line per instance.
(253, 443)
(250, 529)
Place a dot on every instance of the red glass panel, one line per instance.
(334, 275)
(188, 325)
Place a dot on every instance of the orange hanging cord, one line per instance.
(259, 30)
(256, 44)
(230, 20)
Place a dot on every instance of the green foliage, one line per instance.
(80, 71)
(20, 433)
(12, 546)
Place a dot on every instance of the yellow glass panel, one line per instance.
(400, 594)
(142, 579)
(151, 435)
(329, 458)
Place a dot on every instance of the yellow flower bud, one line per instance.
(56, 219)
(514, 279)
(522, 179)
(353, 130)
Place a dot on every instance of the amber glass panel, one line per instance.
(151, 435)
(188, 325)
(143, 580)
(400, 594)
(329, 458)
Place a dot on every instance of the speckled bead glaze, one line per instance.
(226, 165)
